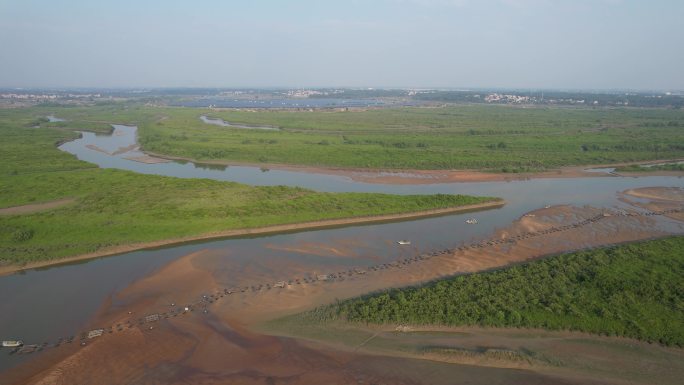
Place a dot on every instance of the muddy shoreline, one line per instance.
(9, 269)
(227, 345)
(416, 177)
(409, 176)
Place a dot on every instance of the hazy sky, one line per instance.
(589, 44)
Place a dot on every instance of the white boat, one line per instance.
(404, 242)
(12, 344)
(471, 221)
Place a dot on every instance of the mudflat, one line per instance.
(234, 341)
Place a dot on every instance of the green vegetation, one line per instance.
(114, 207)
(496, 138)
(493, 138)
(632, 290)
(658, 167)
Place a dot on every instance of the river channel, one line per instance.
(59, 300)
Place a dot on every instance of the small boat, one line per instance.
(12, 344)
(404, 242)
(471, 221)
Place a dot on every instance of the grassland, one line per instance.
(632, 291)
(114, 207)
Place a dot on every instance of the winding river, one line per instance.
(59, 300)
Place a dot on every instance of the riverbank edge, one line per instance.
(400, 176)
(434, 176)
(273, 326)
(274, 229)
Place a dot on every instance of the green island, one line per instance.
(634, 290)
(476, 137)
(104, 208)
(492, 138)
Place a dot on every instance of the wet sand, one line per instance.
(216, 348)
(228, 345)
(119, 151)
(570, 354)
(672, 194)
(657, 198)
(147, 159)
(98, 149)
(8, 269)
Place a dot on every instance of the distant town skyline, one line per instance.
(448, 44)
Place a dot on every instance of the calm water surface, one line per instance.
(43, 304)
(223, 123)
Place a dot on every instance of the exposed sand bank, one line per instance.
(255, 231)
(657, 198)
(147, 159)
(217, 348)
(674, 194)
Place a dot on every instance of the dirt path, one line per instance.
(36, 207)
(4, 270)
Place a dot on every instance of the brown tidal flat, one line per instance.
(229, 345)
(658, 198)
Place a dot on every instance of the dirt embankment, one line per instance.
(255, 231)
(224, 345)
(35, 207)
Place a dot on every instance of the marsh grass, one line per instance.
(114, 207)
(633, 290)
